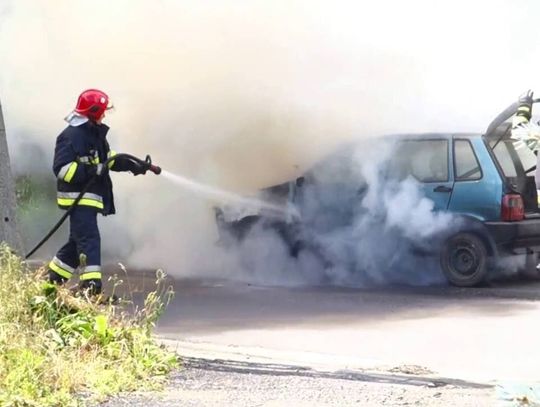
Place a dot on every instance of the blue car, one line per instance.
(485, 181)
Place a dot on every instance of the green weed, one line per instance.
(57, 349)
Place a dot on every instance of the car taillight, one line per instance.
(512, 208)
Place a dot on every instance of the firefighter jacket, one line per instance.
(78, 148)
(527, 135)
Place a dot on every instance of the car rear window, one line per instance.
(526, 156)
(504, 150)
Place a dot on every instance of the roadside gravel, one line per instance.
(198, 387)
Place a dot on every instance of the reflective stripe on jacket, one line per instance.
(77, 149)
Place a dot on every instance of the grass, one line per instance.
(36, 206)
(57, 349)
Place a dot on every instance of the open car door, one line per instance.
(517, 163)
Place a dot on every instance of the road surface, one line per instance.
(409, 346)
(480, 335)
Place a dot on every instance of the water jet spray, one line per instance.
(223, 195)
(202, 189)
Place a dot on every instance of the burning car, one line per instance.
(474, 201)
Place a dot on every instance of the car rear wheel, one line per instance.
(464, 260)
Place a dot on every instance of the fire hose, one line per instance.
(146, 163)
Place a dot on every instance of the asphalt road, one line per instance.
(334, 346)
(195, 387)
(481, 335)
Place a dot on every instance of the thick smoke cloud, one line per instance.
(246, 94)
(359, 226)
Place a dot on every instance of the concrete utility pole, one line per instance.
(8, 223)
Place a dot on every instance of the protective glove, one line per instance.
(138, 169)
(526, 98)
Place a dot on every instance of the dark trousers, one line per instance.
(84, 244)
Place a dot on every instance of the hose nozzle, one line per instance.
(155, 169)
(151, 167)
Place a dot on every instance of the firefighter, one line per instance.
(521, 129)
(525, 133)
(81, 149)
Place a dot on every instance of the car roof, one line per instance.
(346, 147)
(427, 136)
(392, 138)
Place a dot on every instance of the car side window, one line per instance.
(466, 165)
(425, 160)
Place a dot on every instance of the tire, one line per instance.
(464, 260)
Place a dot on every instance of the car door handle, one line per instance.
(442, 188)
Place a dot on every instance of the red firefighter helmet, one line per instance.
(93, 103)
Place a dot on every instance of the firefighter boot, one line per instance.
(56, 278)
(91, 287)
(59, 271)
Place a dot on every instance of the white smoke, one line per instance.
(358, 227)
(246, 94)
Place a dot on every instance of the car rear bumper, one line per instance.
(517, 237)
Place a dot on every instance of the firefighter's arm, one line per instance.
(124, 164)
(66, 166)
(524, 110)
(523, 131)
